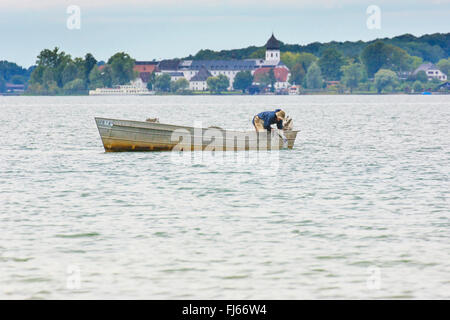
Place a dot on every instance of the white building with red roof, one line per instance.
(281, 76)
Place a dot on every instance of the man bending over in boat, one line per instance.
(264, 120)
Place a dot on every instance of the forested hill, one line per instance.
(431, 48)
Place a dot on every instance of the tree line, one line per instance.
(380, 67)
(10, 72)
(58, 73)
(430, 47)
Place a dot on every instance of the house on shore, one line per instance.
(432, 71)
(198, 81)
(444, 86)
(145, 69)
(281, 76)
(175, 75)
(228, 68)
(15, 89)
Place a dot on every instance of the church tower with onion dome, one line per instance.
(273, 50)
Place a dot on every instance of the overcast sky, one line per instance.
(158, 29)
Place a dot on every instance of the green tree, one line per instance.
(305, 59)
(444, 66)
(290, 59)
(417, 86)
(218, 84)
(243, 80)
(298, 74)
(51, 58)
(330, 64)
(10, 70)
(48, 76)
(374, 57)
(211, 82)
(415, 62)
(258, 54)
(100, 78)
(74, 86)
(122, 68)
(421, 76)
(151, 81)
(182, 84)
(424, 49)
(223, 83)
(52, 88)
(81, 71)
(379, 55)
(88, 64)
(36, 88)
(384, 79)
(162, 82)
(405, 87)
(54, 60)
(107, 76)
(18, 79)
(434, 84)
(314, 77)
(267, 79)
(263, 80)
(179, 85)
(353, 74)
(95, 79)
(2, 85)
(69, 73)
(36, 75)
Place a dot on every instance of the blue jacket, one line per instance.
(270, 118)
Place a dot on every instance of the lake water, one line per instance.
(358, 209)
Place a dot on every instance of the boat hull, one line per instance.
(126, 135)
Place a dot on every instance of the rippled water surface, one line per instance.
(358, 209)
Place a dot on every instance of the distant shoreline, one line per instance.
(234, 94)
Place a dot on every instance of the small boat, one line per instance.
(127, 135)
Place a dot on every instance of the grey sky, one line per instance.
(167, 28)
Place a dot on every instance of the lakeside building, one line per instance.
(15, 89)
(432, 71)
(294, 90)
(145, 69)
(189, 69)
(281, 76)
(136, 87)
(198, 81)
(228, 68)
(444, 86)
(145, 66)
